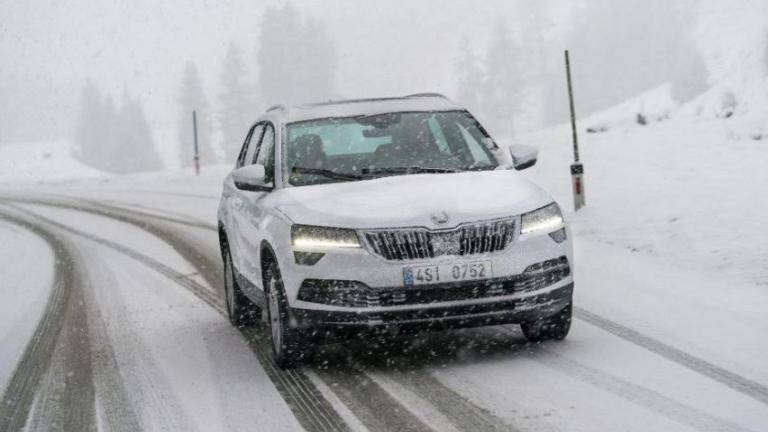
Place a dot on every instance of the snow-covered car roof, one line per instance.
(347, 108)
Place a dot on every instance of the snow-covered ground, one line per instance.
(26, 278)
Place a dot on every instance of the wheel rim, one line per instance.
(275, 323)
(229, 285)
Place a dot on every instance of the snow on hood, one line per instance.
(410, 200)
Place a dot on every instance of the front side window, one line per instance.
(249, 148)
(355, 148)
(266, 153)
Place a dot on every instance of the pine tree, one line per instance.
(503, 86)
(133, 148)
(318, 61)
(620, 49)
(192, 98)
(94, 132)
(90, 105)
(470, 76)
(296, 58)
(237, 103)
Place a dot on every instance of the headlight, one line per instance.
(545, 218)
(306, 238)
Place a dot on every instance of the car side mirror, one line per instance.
(251, 178)
(523, 156)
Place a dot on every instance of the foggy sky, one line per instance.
(49, 48)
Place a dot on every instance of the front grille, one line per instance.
(357, 294)
(421, 243)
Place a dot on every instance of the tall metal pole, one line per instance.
(197, 153)
(577, 169)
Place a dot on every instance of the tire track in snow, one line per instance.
(634, 393)
(20, 393)
(149, 389)
(375, 408)
(457, 408)
(169, 193)
(406, 371)
(174, 216)
(60, 390)
(735, 381)
(307, 403)
(111, 210)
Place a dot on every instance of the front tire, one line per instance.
(240, 309)
(555, 327)
(287, 343)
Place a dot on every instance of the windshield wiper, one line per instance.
(408, 170)
(326, 173)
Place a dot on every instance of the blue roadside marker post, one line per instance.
(577, 169)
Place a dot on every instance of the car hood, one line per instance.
(412, 200)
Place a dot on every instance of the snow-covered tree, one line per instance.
(296, 57)
(94, 132)
(503, 86)
(133, 147)
(237, 103)
(318, 59)
(117, 141)
(506, 85)
(193, 98)
(621, 48)
(470, 79)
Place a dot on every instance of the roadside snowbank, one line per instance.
(36, 162)
(681, 190)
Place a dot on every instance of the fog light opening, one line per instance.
(559, 236)
(307, 258)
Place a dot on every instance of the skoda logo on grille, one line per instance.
(440, 218)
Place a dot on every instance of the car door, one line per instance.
(233, 197)
(250, 210)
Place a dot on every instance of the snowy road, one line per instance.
(136, 339)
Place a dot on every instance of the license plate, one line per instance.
(446, 273)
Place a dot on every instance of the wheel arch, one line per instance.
(267, 256)
(223, 242)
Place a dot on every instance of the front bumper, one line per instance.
(541, 304)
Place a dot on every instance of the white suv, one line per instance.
(400, 212)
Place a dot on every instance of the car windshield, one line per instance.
(360, 147)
